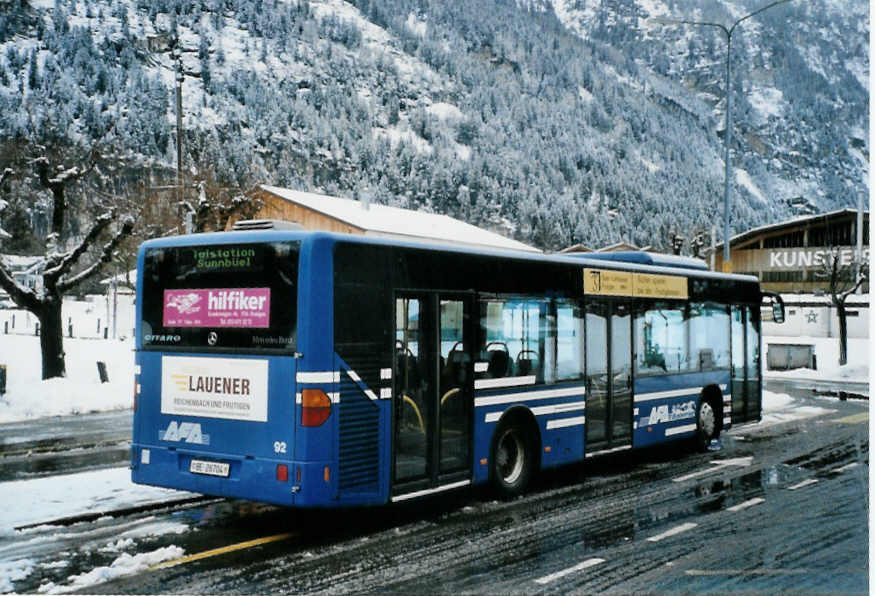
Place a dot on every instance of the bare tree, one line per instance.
(839, 274)
(215, 205)
(62, 270)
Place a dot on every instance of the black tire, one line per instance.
(513, 462)
(706, 425)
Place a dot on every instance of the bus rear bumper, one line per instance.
(222, 475)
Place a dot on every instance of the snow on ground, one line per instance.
(826, 349)
(743, 178)
(125, 564)
(12, 571)
(38, 499)
(780, 407)
(766, 100)
(27, 396)
(445, 111)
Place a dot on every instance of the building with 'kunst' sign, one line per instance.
(787, 256)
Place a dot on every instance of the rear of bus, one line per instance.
(214, 406)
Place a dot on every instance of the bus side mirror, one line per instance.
(777, 304)
(778, 312)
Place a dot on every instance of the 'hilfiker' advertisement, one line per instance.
(221, 307)
(229, 388)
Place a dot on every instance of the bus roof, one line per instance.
(626, 261)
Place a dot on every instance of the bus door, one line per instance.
(746, 376)
(608, 375)
(433, 396)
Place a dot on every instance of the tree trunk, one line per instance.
(843, 333)
(51, 338)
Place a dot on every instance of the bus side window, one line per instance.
(513, 333)
(568, 341)
(662, 339)
(525, 337)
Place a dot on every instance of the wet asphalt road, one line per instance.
(777, 508)
(64, 444)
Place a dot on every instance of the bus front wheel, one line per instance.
(513, 459)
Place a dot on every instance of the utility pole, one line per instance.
(858, 260)
(727, 137)
(177, 56)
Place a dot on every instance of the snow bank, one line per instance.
(780, 407)
(38, 499)
(12, 571)
(125, 564)
(827, 351)
(27, 396)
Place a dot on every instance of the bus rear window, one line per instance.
(221, 297)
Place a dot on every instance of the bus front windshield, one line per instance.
(222, 297)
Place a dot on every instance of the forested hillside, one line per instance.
(554, 122)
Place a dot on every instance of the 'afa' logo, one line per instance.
(190, 432)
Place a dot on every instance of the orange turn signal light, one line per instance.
(315, 407)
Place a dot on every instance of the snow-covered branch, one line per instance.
(24, 297)
(59, 264)
(105, 257)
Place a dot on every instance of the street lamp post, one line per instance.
(727, 137)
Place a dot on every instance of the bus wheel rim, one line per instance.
(510, 457)
(706, 419)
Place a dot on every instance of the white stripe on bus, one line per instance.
(318, 377)
(542, 410)
(605, 451)
(667, 394)
(680, 429)
(565, 422)
(504, 382)
(354, 376)
(429, 491)
(507, 398)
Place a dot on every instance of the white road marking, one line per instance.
(746, 504)
(579, 567)
(672, 532)
(803, 484)
(739, 461)
(847, 467)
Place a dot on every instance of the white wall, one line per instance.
(804, 320)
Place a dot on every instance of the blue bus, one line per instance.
(313, 369)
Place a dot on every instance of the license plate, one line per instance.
(211, 468)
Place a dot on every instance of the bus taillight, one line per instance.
(315, 407)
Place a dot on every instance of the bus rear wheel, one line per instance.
(706, 425)
(513, 459)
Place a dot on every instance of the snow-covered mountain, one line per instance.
(556, 122)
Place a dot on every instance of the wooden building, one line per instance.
(786, 256)
(348, 216)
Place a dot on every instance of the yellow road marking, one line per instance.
(707, 572)
(710, 572)
(221, 551)
(854, 419)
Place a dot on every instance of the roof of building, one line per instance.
(617, 246)
(21, 263)
(790, 223)
(394, 222)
